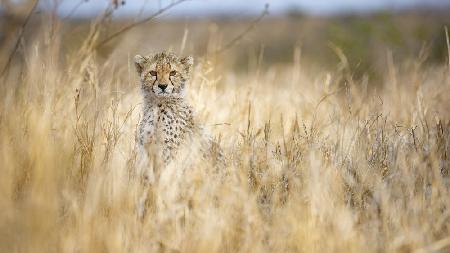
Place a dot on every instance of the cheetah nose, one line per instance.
(162, 86)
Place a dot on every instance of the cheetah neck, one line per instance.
(164, 101)
(173, 104)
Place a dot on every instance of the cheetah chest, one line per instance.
(173, 125)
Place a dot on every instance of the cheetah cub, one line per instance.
(167, 120)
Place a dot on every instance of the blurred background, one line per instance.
(334, 115)
(363, 30)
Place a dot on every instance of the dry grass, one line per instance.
(316, 162)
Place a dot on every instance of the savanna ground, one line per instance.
(336, 133)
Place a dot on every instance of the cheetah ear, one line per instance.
(139, 62)
(187, 61)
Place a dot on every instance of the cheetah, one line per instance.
(167, 120)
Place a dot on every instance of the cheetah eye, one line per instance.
(153, 73)
(172, 73)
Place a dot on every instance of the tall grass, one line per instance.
(315, 162)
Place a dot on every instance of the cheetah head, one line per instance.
(163, 75)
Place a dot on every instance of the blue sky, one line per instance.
(195, 8)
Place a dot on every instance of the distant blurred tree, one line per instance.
(296, 13)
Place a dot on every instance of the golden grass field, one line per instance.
(317, 159)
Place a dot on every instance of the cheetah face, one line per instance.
(163, 75)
